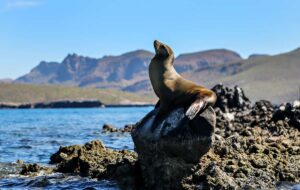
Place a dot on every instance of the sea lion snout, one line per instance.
(160, 48)
(157, 45)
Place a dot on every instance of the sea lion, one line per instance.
(172, 89)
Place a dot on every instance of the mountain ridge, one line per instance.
(117, 71)
(129, 72)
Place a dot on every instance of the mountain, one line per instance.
(272, 77)
(6, 80)
(42, 73)
(257, 55)
(79, 70)
(128, 71)
(205, 59)
(275, 78)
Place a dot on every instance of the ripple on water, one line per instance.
(56, 181)
(33, 135)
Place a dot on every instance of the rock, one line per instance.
(168, 153)
(229, 99)
(254, 149)
(128, 128)
(289, 113)
(259, 163)
(296, 104)
(35, 169)
(20, 162)
(68, 104)
(55, 104)
(111, 129)
(95, 160)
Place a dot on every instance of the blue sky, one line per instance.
(35, 30)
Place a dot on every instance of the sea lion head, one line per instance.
(163, 52)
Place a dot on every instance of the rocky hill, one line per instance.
(86, 71)
(128, 71)
(205, 59)
(275, 77)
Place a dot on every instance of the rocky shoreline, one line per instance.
(67, 104)
(255, 147)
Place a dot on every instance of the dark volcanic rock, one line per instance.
(288, 112)
(229, 99)
(95, 160)
(14, 106)
(109, 128)
(106, 128)
(168, 153)
(7, 106)
(69, 104)
(35, 169)
(55, 104)
(254, 148)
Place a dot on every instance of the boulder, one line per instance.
(95, 160)
(230, 99)
(107, 128)
(168, 153)
(289, 113)
(35, 169)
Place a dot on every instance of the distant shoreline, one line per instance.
(68, 104)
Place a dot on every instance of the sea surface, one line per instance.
(32, 135)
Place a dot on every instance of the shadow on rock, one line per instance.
(167, 154)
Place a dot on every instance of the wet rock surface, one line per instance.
(35, 169)
(107, 128)
(95, 160)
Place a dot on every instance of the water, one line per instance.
(33, 135)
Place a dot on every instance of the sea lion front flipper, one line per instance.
(195, 108)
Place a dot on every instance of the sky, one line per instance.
(36, 30)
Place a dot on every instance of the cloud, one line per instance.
(21, 4)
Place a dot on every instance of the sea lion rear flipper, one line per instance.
(195, 108)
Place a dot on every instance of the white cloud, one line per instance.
(21, 4)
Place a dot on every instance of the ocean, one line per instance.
(33, 135)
